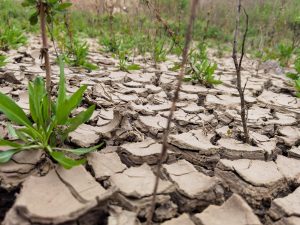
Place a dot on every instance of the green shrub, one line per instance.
(47, 129)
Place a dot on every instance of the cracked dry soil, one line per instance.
(209, 176)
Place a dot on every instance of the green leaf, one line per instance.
(297, 65)
(187, 79)
(66, 162)
(22, 136)
(63, 6)
(13, 111)
(72, 103)
(61, 98)
(9, 143)
(81, 151)
(81, 118)
(297, 84)
(133, 67)
(12, 131)
(52, 2)
(27, 3)
(32, 133)
(37, 92)
(5, 156)
(292, 76)
(34, 18)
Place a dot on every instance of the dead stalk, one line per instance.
(238, 67)
(158, 17)
(163, 153)
(42, 7)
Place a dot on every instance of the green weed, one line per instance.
(46, 131)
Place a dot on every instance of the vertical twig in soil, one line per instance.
(42, 7)
(238, 67)
(163, 153)
(158, 17)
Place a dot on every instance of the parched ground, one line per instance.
(209, 176)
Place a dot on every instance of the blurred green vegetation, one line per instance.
(274, 29)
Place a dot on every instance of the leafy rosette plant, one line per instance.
(48, 125)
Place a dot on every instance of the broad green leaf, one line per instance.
(81, 118)
(13, 111)
(81, 151)
(61, 98)
(5, 156)
(9, 143)
(66, 162)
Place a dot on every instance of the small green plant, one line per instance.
(109, 44)
(296, 77)
(200, 68)
(2, 60)
(124, 65)
(46, 131)
(11, 38)
(159, 51)
(76, 55)
(284, 53)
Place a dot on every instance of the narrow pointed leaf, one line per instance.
(9, 143)
(66, 162)
(61, 98)
(5, 156)
(81, 151)
(12, 131)
(13, 111)
(81, 118)
(72, 103)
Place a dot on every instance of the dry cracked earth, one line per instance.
(209, 176)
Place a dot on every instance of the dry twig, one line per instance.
(238, 67)
(188, 38)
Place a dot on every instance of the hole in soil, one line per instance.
(283, 148)
(7, 199)
(96, 216)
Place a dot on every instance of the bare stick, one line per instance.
(158, 17)
(163, 153)
(42, 7)
(238, 67)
